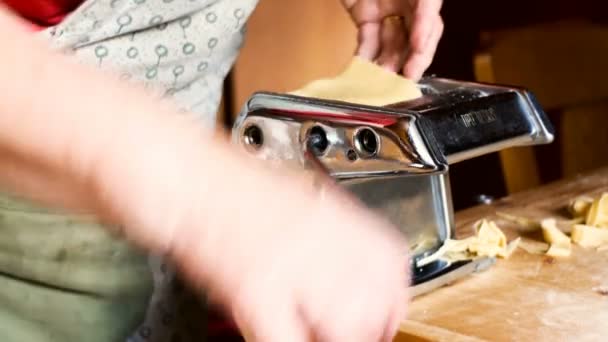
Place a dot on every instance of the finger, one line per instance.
(272, 321)
(422, 23)
(268, 317)
(360, 312)
(281, 328)
(401, 288)
(355, 324)
(393, 42)
(419, 60)
(366, 11)
(399, 313)
(392, 329)
(349, 3)
(368, 41)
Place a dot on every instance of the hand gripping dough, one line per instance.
(363, 83)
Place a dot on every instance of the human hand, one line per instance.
(314, 268)
(290, 265)
(400, 35)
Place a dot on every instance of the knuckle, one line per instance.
(440, 24)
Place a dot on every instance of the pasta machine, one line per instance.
(396, 158)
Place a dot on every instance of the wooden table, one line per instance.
(529, 297)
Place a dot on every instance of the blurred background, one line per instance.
(558, 49)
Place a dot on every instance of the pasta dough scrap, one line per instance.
(598, 213)
(489, 241)
(511, 247)
(528, 225)
(551, 233)
(588, 228)
(579, 207)
(560, 250)
(602, 248)
(559, 243)
(534, 247)
(587, 236)
(592, 232)
(363, 83)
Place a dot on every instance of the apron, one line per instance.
(64, 278)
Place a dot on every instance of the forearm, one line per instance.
(77, 138)
(255, 237)
(57, 120)
(35, 129)
(62, 126)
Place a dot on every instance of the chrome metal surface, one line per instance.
(465, 120)
(418, 205)
(287, 121)
(452, 273)
(395, 158)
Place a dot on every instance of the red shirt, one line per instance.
(43, 13)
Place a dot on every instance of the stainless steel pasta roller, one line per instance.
(396, 158)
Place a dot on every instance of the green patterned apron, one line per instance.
(65, 278)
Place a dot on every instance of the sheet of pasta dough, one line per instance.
(363, 83)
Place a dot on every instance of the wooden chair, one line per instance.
(566, 65)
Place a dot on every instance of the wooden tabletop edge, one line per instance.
(412, 331)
